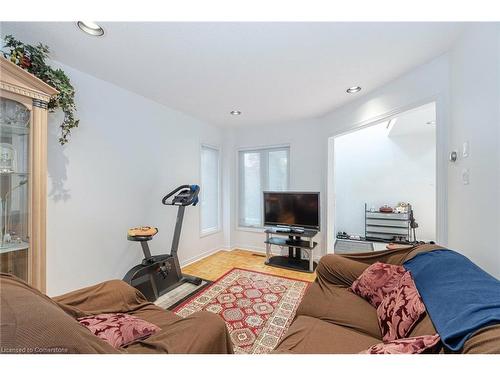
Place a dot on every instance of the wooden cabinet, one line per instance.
(23, 173)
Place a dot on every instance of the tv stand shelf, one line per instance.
(296, 241)
(284, 242)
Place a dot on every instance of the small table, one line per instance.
(295, 244)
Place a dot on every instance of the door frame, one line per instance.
(441, 166)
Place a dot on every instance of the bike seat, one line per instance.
(141, 233)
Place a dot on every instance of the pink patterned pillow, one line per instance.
(400, 310)
(118, 329)
(410, 345)
(377, 281)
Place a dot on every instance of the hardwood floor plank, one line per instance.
(215, 265)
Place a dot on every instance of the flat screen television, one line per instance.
(294, 209)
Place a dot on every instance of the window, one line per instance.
(210, 189)
(260, 170)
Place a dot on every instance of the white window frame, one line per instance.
(218, 228)
(263, 175)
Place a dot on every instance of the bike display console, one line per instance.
(296, 241)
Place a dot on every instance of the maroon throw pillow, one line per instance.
(410, 345)
(118, 329)
(400, 310)
(377, 281)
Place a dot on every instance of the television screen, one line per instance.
(291, 208)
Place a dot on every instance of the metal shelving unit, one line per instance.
(387, 226)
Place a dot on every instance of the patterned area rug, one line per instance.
(257, 307)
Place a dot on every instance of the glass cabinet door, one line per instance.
(14, 188)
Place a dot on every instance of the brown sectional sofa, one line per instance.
(31, 322)
(331, 319)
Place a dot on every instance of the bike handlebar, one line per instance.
(187, 197)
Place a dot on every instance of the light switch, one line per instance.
(465, 177)
(465, 149)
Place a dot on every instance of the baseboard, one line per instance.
(205, 254)
(249, 248)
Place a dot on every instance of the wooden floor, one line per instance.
(215, 265)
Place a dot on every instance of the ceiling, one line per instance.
(272, 72)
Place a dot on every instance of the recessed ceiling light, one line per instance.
(430, 123)
(353, 89)
(235, 113)
(90, 28)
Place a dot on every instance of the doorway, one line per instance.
(385, 182)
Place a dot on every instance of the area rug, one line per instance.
(257, 307)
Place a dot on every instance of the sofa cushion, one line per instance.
(338, 305)
(398, 256)
(400, 310)
(201, 332)
(338, 270)
(410, 345)
(423, 327)
(112, 296)
(377, 281)
(118, 329)
(33, 323)
(309, 335)
(484, 341)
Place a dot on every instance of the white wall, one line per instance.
(306, 153)
(465, 85)
(427, 83)
(474, 221)
(309, 139)
(373, 166)
(126, 155)
(95, 196)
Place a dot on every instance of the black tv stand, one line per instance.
(297, 241)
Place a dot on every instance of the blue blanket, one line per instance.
(459, 296)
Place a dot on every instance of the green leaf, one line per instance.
(56, 78)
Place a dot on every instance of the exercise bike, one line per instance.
(158, 274)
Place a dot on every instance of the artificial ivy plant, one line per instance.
(32, 59)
